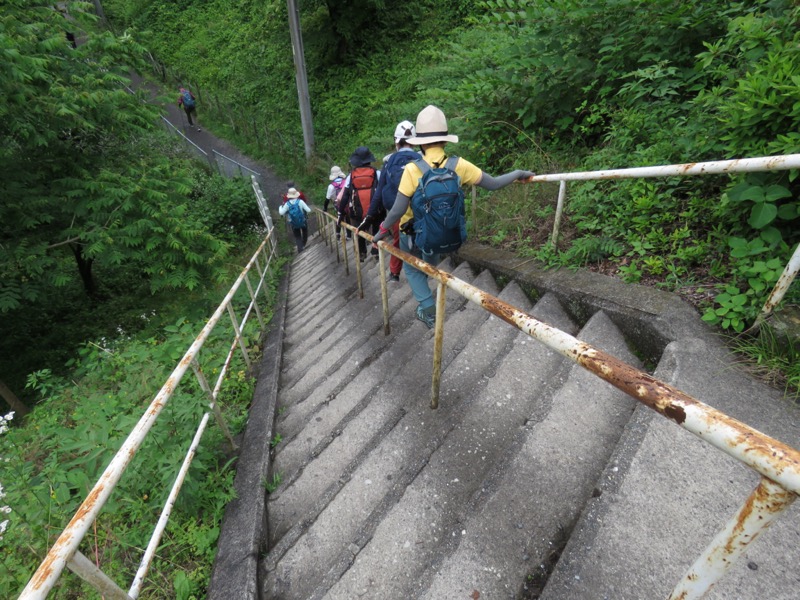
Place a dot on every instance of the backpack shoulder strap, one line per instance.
(451, 163)
(423, 166)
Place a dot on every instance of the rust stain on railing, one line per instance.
(768, 456)
(778, 463)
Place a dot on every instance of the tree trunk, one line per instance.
(13, 402)
(85, 269)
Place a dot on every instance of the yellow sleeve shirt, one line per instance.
(469, 173)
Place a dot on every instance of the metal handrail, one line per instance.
(778, 463)
(64, 552)
(740, 165)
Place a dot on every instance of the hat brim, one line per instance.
(360, 161)
(421, 141)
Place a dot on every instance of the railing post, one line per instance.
(239, 337)
(201, 378)
(562, 192)
(357, 251)
(253, 300)
(86, 570)
(767, 502)
(438, 339)
(384, 291)
(343, 234)
(262, 277)
(781, 287)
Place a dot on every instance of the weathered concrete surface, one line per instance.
(665, 495)
(651, 317)
(383, 498)
(235, 573)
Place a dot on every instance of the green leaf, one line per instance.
(762, 215)
(789, 212)
(776, 192)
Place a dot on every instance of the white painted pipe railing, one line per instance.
(719, 167)
(65, 550)
(778, 463)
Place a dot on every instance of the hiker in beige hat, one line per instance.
(336, 185)
(432, 135)
(297, 210)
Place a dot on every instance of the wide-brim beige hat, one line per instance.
(336, 172)
(431, 127)
(292, 194)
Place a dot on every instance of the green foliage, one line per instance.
(82, 184)
(226, 207)
(775, 358)
(272, 484)
(79, 424)
(753, 74)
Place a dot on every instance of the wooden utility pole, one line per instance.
(300, 76)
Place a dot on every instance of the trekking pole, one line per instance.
(183, 120)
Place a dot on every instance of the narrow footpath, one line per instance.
(271, 184)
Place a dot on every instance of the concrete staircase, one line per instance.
(534, 478)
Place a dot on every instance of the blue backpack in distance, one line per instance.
(440, 224)
(188, 101)
(297, 216)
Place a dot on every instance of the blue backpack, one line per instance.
(438, 206)
(297, 216)
(392, 173)
(188, 101)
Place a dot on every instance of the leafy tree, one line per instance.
(80, 180)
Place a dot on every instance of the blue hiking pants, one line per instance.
(416, 278)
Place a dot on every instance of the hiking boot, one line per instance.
(393, 277)
(427, 316)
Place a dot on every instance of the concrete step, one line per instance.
(549, 473)
(355, 342)
(665, 494)
(344, 481)
(426, 525)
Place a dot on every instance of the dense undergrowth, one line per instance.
(544, 85)
(549, 86)
(83, 414)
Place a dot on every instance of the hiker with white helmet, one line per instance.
(383, 200)
(432, 135)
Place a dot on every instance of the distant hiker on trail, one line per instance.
(285, 197)
(432, 224)
(188, 102)
(359, 188)
(297, 210)
(383, 200)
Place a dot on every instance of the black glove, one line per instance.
(365, 223)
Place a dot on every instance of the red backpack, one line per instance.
(363, 181)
